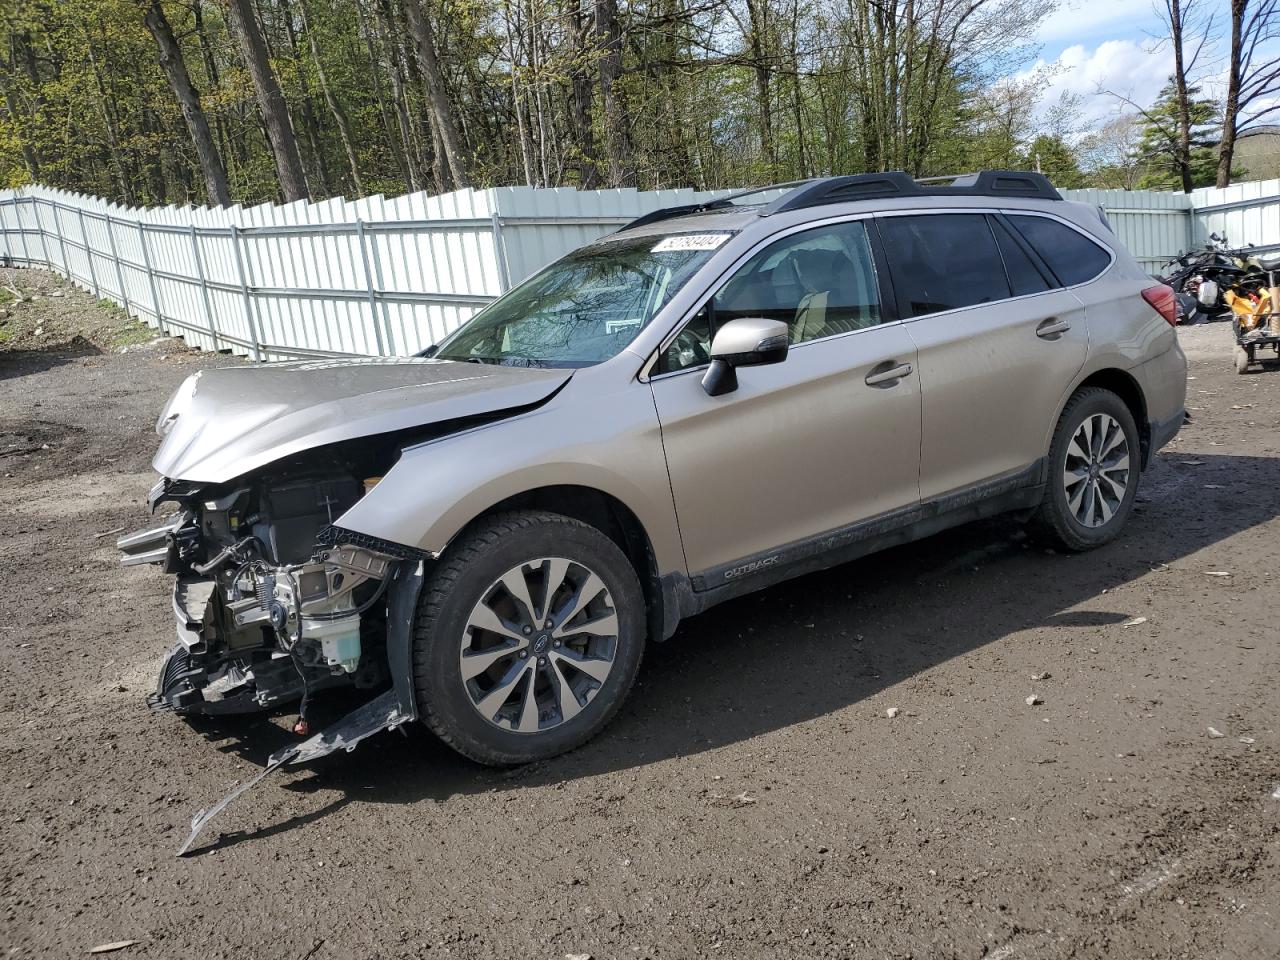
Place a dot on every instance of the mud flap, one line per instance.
(384, 712)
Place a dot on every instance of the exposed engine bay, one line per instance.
(270, 604)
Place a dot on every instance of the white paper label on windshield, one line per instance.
(690, 241)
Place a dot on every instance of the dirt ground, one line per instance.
(753, 799)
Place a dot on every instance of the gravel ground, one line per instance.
(754, 798)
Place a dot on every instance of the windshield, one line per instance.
(584, 308)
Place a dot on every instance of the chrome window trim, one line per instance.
(1110, 251)
(646, 373)
(654, 377)
(1008, 212)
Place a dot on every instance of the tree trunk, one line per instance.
(399, 72)
(617, 137)
(271, 103)
(446, 130)
(126, 178)
(1180, 83)
(1231, 110)
(335, 108)
(175, 70)
(315, 159)
(376, 68)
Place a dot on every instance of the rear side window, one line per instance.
(1024, 276)
(943, 261)
(1070, 255)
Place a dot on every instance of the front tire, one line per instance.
(528, 638)
(1093, 472)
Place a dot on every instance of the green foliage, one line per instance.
(1056, 160)
(1161, 146)
(711, 94)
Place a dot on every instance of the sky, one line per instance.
(1116, 45)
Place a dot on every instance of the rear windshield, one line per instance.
(584, 308)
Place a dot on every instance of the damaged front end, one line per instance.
(270, 604)
(274, 600)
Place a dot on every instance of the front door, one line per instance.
(803, 448)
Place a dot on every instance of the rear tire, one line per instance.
(528, 637)
(1093, 472)
(1242, 359)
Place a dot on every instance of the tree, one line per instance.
(1054, 158)
(1178, 140)
(271, 102)
(1112, 154)
(1188, 34)
(388, 96)
(1253, 81)
(424, 45)
(175, 69)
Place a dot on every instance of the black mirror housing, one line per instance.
(745, 342)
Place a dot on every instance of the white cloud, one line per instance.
(1135, 71)
(1083, 19)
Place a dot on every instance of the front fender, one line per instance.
(610, 443)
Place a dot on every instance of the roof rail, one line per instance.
(874, 186)
(720, 203)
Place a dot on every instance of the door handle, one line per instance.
(888, 375)
(1052, 328)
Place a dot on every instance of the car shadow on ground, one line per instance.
(22, 363)
(823, 642)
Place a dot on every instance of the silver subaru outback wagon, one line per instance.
(712, 399)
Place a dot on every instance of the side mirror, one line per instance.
(745, 342)
(430, 351)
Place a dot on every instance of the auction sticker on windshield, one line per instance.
(690, 241)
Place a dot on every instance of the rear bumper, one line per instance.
(1162, 431)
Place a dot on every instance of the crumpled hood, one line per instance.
(224, 422)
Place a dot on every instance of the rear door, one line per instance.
(999, 342)
(803, 448)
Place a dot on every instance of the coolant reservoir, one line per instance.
(339, 639)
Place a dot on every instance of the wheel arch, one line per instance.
(1126, 387)
(617, 521)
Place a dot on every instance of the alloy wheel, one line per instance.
(1097, 471)
(539, 645)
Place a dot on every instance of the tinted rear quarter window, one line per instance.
(1070, 255)
(943, 261)
(1024, 276)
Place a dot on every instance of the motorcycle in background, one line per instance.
(1207, 281)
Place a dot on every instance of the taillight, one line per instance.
(1163, 301)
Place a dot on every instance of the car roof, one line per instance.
(867, 191)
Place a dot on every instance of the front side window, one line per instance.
(820, 283)
(584, 308)
(943, 261)
(1073, 257)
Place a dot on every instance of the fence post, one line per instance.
(249, 316)
(500, 251)
(115, 256)
(88, 253)
(151, 278)
(372, 286)
(62, 247)
(204, 287)
(44, 244)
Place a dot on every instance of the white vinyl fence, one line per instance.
(388, 277)
(368, 277)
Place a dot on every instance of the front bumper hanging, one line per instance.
(387, 711)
